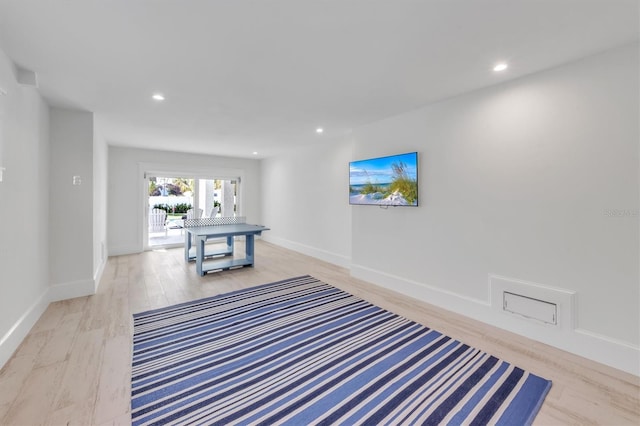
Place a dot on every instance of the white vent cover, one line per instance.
(27, 77)
(534, 303)
(531, 308)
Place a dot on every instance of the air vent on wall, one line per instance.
(537, 304)
(26, 77)
(530, 308)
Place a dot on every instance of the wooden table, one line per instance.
(200, 235)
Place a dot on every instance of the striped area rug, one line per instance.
(302, 352)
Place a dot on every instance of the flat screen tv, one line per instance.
(385, 181)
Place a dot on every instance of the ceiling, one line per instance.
(244, 76)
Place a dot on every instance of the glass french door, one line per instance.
(172, 198)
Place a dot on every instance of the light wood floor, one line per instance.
(74, 366)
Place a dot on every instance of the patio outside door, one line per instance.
(171, 198)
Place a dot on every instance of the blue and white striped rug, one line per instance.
(302, 352)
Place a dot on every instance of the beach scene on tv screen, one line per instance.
(389, 181)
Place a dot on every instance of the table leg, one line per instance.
(230, 243)
(200, 254)
(187, 246)
(249, 248)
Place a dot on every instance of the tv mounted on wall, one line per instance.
(385, 181)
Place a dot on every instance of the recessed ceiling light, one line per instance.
(255, 152)
(500, 67)
(158, 97)
(319, 130)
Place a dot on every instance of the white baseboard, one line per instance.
(618, 354)
(327, 256)
(71, 290)
(122, 250)
(97, 276)
(16, 334)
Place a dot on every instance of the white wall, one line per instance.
(125, 194)
(71, 206)
(535, 180)
(305, 201)
(517, 181)
(24, 209)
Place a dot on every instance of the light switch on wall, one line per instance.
(77, 180)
